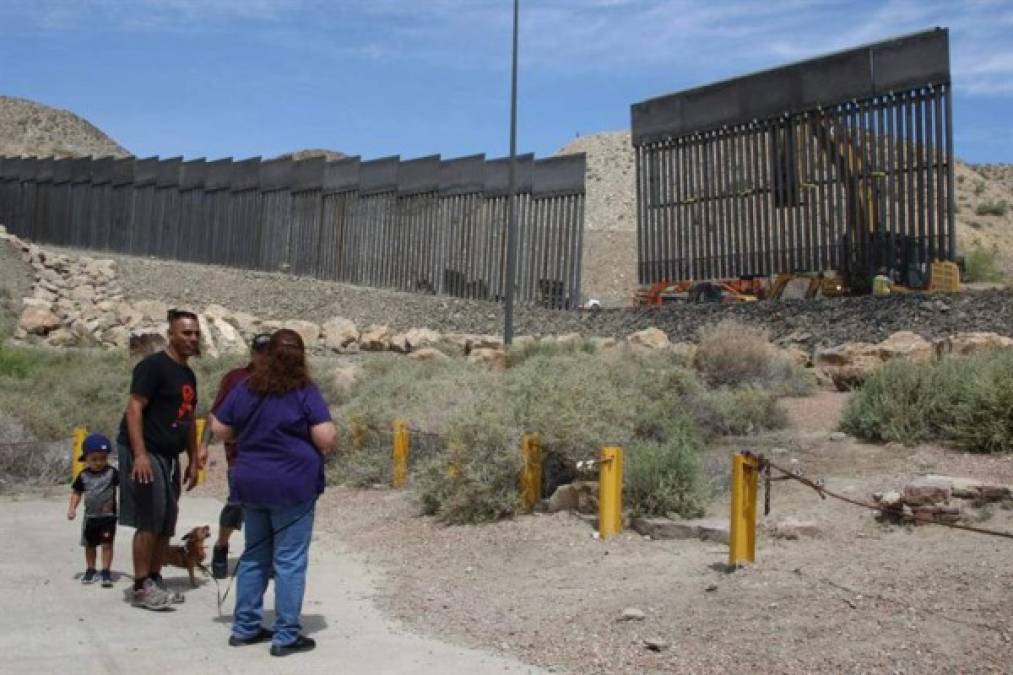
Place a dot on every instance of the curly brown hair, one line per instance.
(284, 366)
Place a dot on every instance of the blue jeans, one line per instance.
(278, 536)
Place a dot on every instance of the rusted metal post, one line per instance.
(531, 474)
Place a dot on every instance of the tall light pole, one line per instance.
(511, 258)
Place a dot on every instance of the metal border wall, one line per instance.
(426, 225)
(843, 162)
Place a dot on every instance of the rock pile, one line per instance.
(942, 498)
(847, 365)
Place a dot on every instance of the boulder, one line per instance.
(152, 310)
(208, 347)
(308, 331)
(38, 321)
(649, 338)
(970, 488)
(675, 528)
(927, 492)
(227, 338)
(429, 355)
(36, 302)
(632, 614)
(147, 339)
(375, 338)
(848, 365)
(494, 359)
(62, 337)
(891, 499)
(969, 343)
(341, 335)
(345, 378)
(117, 336)
(793, 528)
(128, 315)
(83, 292)
(420, 337)
(564, 498)
(906, 345)
(214, 311)
(41, 293)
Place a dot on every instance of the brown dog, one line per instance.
(191, 553)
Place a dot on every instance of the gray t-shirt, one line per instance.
(99, 490)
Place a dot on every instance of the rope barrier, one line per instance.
(820, 488)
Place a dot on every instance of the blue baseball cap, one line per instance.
(95, 443)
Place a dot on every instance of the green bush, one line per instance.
(963, 401)
(981, 265)
(737, 411)
(662, 471)
(990, 208)
(483, 486)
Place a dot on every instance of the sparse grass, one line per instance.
(979, 187)
(963, 401)
(992, 208)
(981, 265)
(575, 399)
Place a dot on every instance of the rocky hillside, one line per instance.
(610, 251)
(29, 128)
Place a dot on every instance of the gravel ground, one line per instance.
(826, 321)
(863, 597)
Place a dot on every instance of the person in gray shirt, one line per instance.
(96, 484)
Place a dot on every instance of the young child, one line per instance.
(97, 482)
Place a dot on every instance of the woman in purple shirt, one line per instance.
(283, 425)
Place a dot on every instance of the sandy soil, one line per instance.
(861, 597)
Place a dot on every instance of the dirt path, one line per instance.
(51, 623)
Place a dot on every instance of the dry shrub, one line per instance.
(732, 354)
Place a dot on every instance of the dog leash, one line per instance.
(228, 587)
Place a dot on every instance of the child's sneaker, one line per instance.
(89, 576)
(107, 579)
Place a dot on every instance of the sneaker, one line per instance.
(300, 644)
(220, 562)
(89, 576)
(174, 596)
(150, 596)
(107, 579)
(264, 635)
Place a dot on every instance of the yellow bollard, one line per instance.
(742, 529)
(202, 473)
(76, 465)
(402, 447)
(610, 492)
(531, 474)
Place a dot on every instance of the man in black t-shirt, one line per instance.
(158, 425)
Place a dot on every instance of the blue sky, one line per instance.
(240, 78)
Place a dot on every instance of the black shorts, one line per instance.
(97, 531)
(150, 507)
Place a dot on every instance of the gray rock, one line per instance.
(655, 644)
(632, 614)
